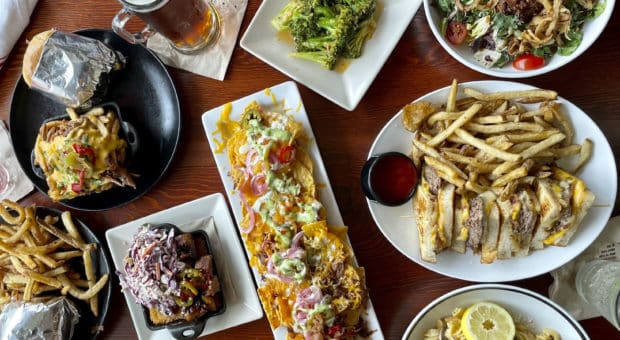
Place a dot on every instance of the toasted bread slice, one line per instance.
(460, 230)
(504, 244)
(425, 208)
(490, 233)
(445, 220)
(549, 212)
(581, 199)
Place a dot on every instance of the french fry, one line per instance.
(65, 237)
(542, 145)
(509, 177)
(89, 269)
(539, 95)
(451, 102)
(426, 149)
(446, 167)
(480, 144)
(7, 216)
(67, 221)
(462, 120)
(65, 255)
(83, 295)
(584, 155)
(504, 127)
(26, 224)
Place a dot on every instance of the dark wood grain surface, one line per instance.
(399, 288)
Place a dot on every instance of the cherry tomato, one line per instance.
(456, 32)
(528, 62)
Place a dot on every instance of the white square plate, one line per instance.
(242, 304)
(345, 89)
(282, 97)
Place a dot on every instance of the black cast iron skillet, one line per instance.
(127, 133)
(147, 100)
(183, 329)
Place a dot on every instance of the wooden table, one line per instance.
(399, 288)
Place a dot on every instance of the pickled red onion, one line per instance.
(248, 161)
(258, 184)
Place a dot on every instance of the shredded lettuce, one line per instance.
(572, 41)
(505, 25)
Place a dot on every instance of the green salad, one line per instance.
(326, 30)
(525, 32)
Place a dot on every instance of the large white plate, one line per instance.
(242, 304)
(346, 89)
(399, 227)
(282, 97)
(538, 311)
(463, 53)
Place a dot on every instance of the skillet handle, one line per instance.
(190, 331)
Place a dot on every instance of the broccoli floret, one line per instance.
(362, 9)
(283, 19)
(355, 43)
(326, 60)
(304, 26)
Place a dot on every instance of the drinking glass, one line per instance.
(189, 25)
(598, 283)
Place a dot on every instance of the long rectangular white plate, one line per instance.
(281, 97)
(242, 304)
(347, 88)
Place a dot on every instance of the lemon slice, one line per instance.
(487, 321)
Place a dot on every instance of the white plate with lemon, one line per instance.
(494, 311)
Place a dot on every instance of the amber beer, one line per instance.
(188, 24)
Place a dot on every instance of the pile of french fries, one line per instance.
(488, 145)
(40, 258)
(485, 142)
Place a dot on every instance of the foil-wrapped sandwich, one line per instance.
(82, 155)
(54, 319)
(69, 68)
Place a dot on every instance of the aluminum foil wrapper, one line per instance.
(53, 320)
(71, 68)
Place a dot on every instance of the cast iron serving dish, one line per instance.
(182, 329)
(146, 99)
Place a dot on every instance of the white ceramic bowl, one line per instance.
(463, 53)
(538, 311)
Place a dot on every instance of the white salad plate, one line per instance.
(533, 309)
(347, 88)
(463, 53)
(240, 298)
(398, 224)
(284, 97)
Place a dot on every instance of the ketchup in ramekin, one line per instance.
(389, 178)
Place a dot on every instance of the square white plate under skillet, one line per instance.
(347, 88)
(242, 304)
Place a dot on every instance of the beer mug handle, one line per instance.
(118, 25)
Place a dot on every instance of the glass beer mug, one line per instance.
(189, 25)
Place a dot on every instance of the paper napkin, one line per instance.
(18, 184)
(14, 17)
(562, 290)
(212, 61)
